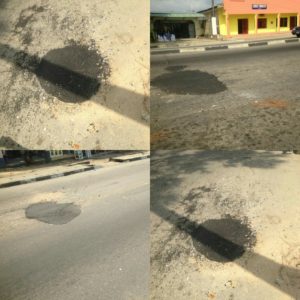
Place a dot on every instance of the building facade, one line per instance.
(180, 25)
(21, 157)
(238, 17)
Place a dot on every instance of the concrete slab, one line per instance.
(131, 157)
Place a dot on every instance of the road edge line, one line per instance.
(226, 47)
(42, 178)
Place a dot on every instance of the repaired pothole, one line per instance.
(52, 212)
(191, 82)
(73, 73)
(223, 240)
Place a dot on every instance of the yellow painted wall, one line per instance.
(222, 21)
(271, 24)
(283, 29)
(233, 23)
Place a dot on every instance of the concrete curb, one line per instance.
(90, 168)
(41, 178)
(225, 47)
(120, 159)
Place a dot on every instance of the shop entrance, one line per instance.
(243, 26)
(293, 22)
(181, 29)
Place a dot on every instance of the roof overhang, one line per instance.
(210, 8)
(179, 15)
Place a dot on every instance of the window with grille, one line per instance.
(283, 22)
(261, 23)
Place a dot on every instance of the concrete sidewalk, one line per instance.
(131, 157)
(206, 44)
(33, 173)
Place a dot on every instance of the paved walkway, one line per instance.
(59, 168)
(207, 42)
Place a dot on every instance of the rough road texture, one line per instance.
(258, 192)
(103, 253)
(233, 99)
(223, 239)
(42, 37)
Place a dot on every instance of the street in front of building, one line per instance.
(226, 19)
(82, 236)
(225, 225)
(237, 98)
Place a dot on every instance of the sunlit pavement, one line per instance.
(225, 225)
(74, 75)
(83, 236)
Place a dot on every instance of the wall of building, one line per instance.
(273, 6)
(207, 26)
(198, 28)
(222, 21)
(199, 31)
(288, 25)
(271, 22)
(221, 28)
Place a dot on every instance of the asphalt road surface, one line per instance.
(229, 99)
(225, 225)
(100, 253)
(77, 68)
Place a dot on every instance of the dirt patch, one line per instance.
(27, 15)
(159, 136)
(269, 103)
(191, 82)
(223, 240)
(73, 73)
(52, 212)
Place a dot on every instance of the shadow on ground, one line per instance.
(261, 265)
(167, 167)
(63, 74)
(7, 142)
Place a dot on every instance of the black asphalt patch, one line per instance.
(166, 52)
(73, 73)
(191, 82)
(220, 47)
(258, 44)
(27, 15)
(291, 41)
(52, 212)
(223, 240)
